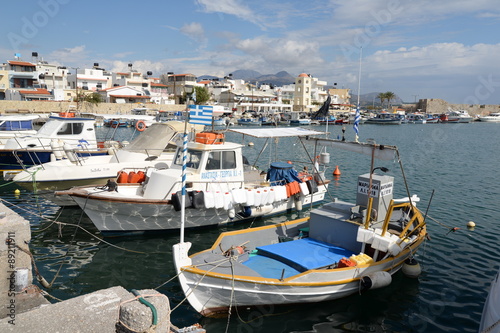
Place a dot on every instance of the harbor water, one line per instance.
(454, 164)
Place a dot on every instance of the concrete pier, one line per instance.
(17, 294)
(24, 309)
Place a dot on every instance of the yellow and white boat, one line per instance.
(340, 249)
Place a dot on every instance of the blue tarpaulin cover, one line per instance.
(282, 172)
(305, 254)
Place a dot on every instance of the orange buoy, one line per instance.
(336, 172)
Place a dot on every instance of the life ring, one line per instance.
(140, 125)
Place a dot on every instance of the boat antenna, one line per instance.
(357, 117)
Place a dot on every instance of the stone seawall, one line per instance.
(7, 107)
(436, 105)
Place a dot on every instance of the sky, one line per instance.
(446, 49)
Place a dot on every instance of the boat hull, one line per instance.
(216, 294)
(114, 215)
(29, 158)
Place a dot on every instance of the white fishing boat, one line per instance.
(59, 137)
(222, 188)
(490, 319)
(341, 249)
(152, 147)
(416, 118)
(491, 118)
(384, 118)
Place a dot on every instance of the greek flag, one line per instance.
(357, 118)
(200, 114)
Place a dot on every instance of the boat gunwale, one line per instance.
(193, 269)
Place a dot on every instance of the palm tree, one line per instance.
(382, 97)
(389, 96)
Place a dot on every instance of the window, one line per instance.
(192, 159)
(70, 128)
(221, 160)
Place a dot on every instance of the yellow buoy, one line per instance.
(471, 224)
(17, 192)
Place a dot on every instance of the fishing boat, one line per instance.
(222, 188)
(432, 119)
(490, 319)
(416, 118)
(59, 137)
(384, 119)
(341, 249)
(153, 147)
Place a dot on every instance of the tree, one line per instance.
(93, 98)
(202, 95)
(381, 96)
(389, 96)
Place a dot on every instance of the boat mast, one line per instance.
(357, 116)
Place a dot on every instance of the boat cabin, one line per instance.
(77, 132)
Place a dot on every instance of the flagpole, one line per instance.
(357, 116)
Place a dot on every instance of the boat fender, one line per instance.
(231, 213)
(70, 153)
(56, 149)
(261, 210)
(411, 268)
(375, 280)
(298, 203)
(246, 212)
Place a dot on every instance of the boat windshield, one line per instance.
(192, 160)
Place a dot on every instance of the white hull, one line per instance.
(214, 280)
(215, 294)
(490, 119)
(122, 214)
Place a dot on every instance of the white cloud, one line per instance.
(231, 7)
(69, 55)
(142, 66)
(194, 31)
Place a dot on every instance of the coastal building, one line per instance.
(4, 81)
(159, 92)
(308, 91)
(245, 100)
(124, 94)
(340, 99)
(133, 79)
(177, 83)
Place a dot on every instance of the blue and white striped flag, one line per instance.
(200, 114)
(357, 118)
